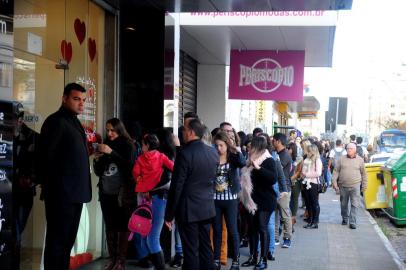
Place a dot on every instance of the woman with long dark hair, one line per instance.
(259, 197)
(227, 185)
(113, 162)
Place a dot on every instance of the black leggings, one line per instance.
(258, 229)
(228, 209)
(305, 197)
(313, 200)
(115, 216)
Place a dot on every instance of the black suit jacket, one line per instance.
(191, 194)
(64, 169)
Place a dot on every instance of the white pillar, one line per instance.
(211, 94)
(176, 50)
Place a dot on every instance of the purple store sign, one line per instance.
(266, 75)
(168, 75)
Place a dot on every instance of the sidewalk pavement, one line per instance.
(331, 247)
(334, 246)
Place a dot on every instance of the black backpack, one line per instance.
(360, 151)
(337, 156)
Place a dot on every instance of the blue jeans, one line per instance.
(271, 229)
(21, 218)
(178, 242)
(327, 176)
(151, 244)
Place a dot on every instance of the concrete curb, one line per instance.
(386, 242)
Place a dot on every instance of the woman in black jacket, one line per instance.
(113, 163)
(227, 185)
(259, 198)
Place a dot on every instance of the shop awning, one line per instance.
(248, 5)
(310, 105)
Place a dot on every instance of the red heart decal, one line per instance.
(80, 30)
(66, 50)
(92, 48)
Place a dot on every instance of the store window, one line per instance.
(57, 42)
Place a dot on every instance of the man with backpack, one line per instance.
(335, 154)
(353, 138)
(279, 142)
(361, 151)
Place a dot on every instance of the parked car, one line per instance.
(379, 158)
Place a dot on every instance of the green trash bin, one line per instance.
(394, 173)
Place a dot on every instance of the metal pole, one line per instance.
(338, 103)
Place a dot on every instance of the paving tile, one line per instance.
(331, 247)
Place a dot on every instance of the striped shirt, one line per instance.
(222, 189)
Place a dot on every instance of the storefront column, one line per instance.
(211, 94)
(176, 49)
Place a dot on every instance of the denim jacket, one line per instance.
(281, 176)
(236, 161)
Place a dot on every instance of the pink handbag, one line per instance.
(141, 220)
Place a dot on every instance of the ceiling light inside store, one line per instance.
(130, 28)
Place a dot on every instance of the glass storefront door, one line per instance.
(57, 42)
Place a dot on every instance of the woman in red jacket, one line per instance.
(147, 173)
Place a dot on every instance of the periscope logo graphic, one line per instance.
(266, 75)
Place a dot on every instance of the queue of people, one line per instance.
(253, 182)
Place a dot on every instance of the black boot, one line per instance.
(252, 260)
(111, 239)
(158, 260)
(122, 251)
(307, 220)
(143, 263)
(177, 261)
(217, 265)
(262, 264)
(235, 265)
(314, 226)
(270, 256)
(308, 225)
(244, 243)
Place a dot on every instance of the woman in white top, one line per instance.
(311, 171)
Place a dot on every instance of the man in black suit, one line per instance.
(191, 196)
(65, 175)
(188, 115)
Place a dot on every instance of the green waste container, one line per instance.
(375, 195)
(394, 173)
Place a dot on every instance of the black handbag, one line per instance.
(321, 186)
